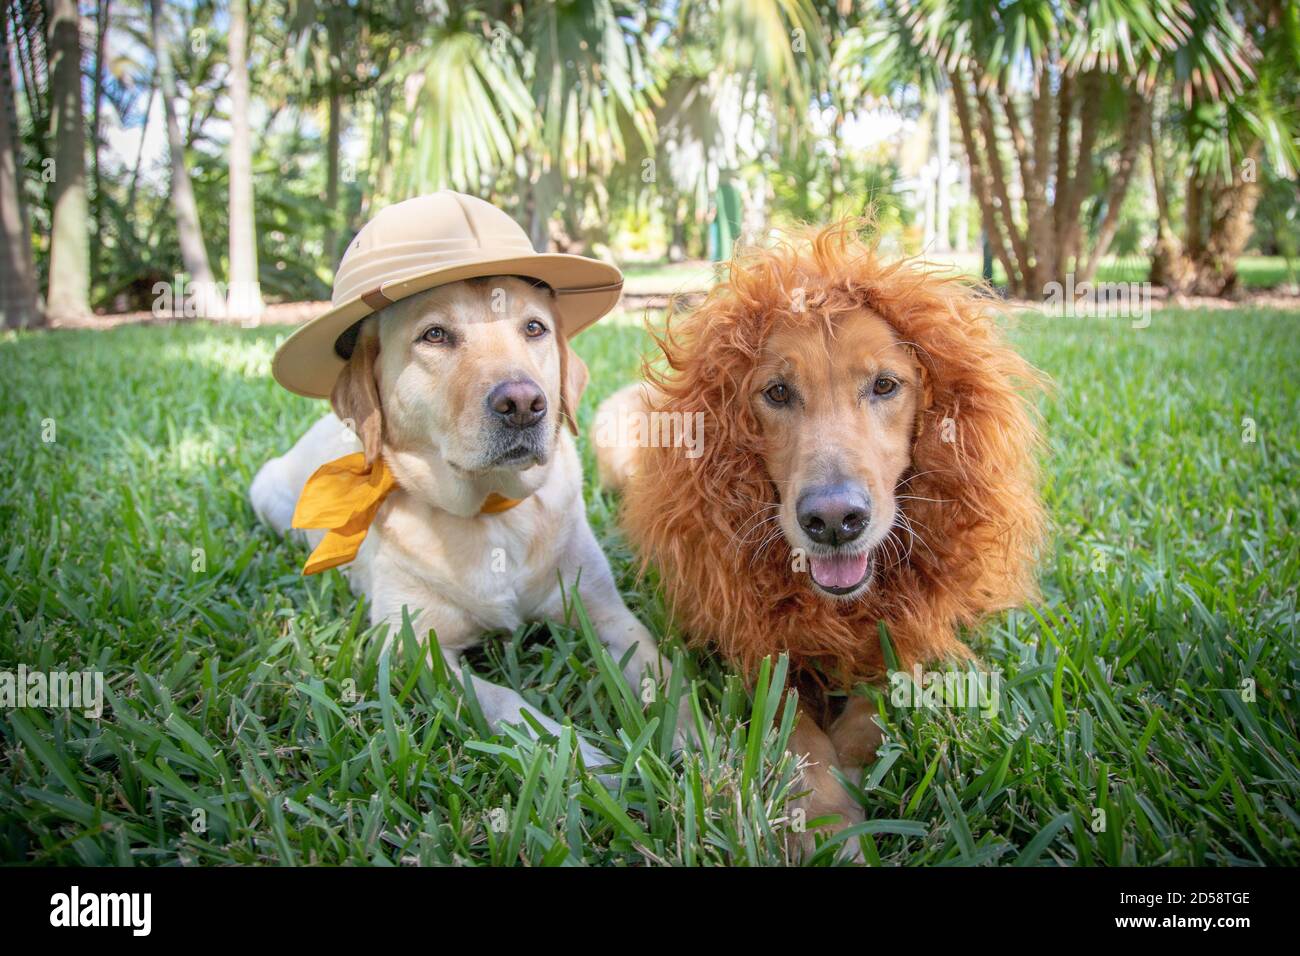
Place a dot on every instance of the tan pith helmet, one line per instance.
(430, 241)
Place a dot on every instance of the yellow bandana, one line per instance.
(343, 496)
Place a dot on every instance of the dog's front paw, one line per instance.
(826, 810)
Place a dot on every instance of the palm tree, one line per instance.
(694, 145)
(102, 13)
(1226, 135)
(777, 48)
(19, 305)
(30, 50)
(592, 93)
(194, 255)
(1049, 86)
(543, 96)
(468, 106)
(762, 60)
(329, 55)
(334, 134)
(69, 289)
(943, 154)
(245, 297)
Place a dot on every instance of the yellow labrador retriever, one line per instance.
(465, 390)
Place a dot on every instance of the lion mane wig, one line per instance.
(971, 492)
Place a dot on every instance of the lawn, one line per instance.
(1148, 710)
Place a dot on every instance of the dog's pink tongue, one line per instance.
(839, 571)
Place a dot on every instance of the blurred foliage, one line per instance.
(607, 125)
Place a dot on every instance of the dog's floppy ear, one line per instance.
(573, 382)
(974, 458)
(355, 397)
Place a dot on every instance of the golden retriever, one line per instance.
(868, 458)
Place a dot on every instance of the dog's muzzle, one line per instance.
(517, 404)
(834, 517)
(516, 413)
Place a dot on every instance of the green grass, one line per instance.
(253, 719)
(1256, 273)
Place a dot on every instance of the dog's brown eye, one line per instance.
(884, 386)
(778, 394)
(534, 328)
(436, 335)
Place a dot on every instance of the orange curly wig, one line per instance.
(983, 521)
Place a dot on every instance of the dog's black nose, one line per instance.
(833, 514)
(517, 404)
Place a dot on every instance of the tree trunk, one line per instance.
(539, 227)
(69, 292)
(544, 196)
(1021, 279)
(97, 203)
(943, 152)
(1069, 238)
(27, 58)
(963, 210)
(929, 178)
(194, 255)
(139, 161)
(1131, 139)
(1168, 267)
(333, 137)
(1042, 130)
(244, 295)
(1060, 198)
(1213, 241)
(993, 229)
(19, 305)
(381, 155)
(1037, 261)
(677, 242)
(1232, 221)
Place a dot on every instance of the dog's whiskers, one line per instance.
(907, 525)
(773, 535)
(888, 543)
(748, 525)
(922, 474)
(768, 535)
(913, 519)
(897, 543)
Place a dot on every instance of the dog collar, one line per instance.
(343, 496)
